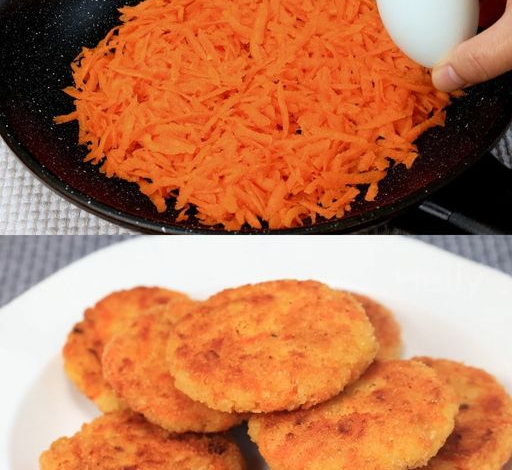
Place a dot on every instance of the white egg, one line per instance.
(427, 30)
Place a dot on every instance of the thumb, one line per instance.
(481, 58)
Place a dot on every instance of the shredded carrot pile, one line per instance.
(252, 112)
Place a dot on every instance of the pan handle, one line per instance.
(477, 202)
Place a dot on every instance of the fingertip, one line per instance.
(445, 78)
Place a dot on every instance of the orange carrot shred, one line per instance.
(263, 113)
(283, 109)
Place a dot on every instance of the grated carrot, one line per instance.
(252, 112)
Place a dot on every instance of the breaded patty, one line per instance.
(123, 440)
(397, 416)
(135, 366)
(482, 438)
(272, 346)
(84, 346)
(387, 329)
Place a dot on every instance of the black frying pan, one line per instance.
(40, 38)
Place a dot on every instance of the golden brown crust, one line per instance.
(271, 346)
(64, 454)
(84, 346)
(135, 367)
(125, 440)
(397, 416)
(387, 329)
(482, 438)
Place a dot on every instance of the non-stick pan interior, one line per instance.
(40, 38)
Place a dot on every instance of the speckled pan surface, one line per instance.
(40, 38)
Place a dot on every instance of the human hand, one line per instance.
(481, 58)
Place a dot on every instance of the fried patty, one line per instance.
(271, 346)
(123, 440)
(397, 416)
(135, 366)
(482, 438)
(387, 329)
(84, 346)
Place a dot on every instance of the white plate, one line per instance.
(447, 306)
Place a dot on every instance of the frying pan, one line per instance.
(40, 38)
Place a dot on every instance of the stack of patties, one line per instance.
(116, 357)
(315, 370)
(304, 360)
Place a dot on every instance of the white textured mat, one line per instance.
(27, 207)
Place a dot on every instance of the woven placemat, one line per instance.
(27, 207)
(24, 261)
